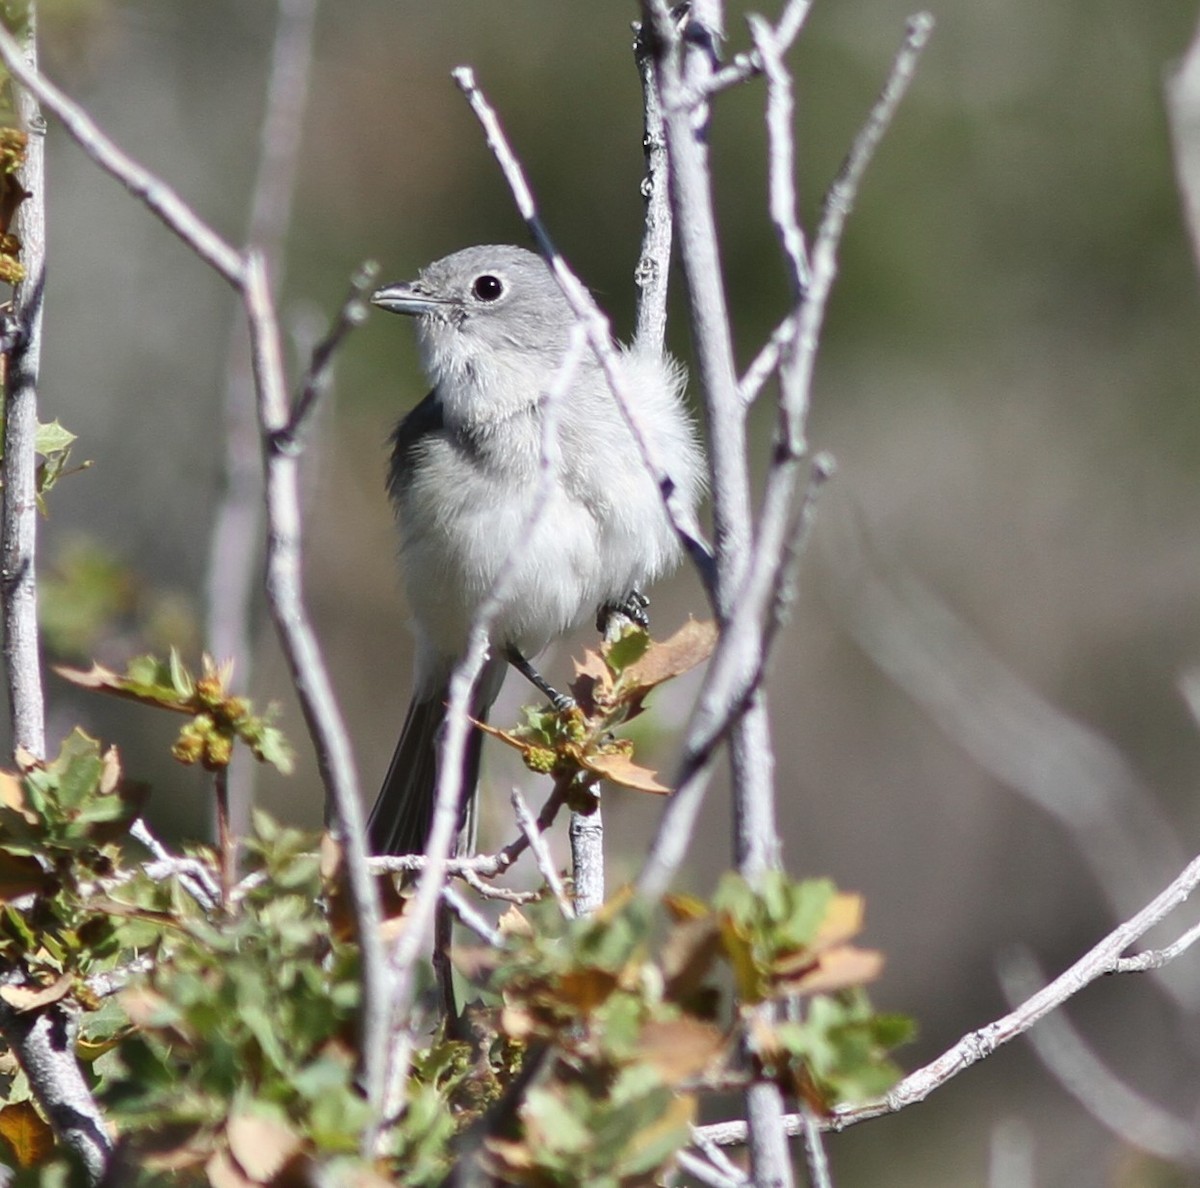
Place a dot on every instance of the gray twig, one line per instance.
(307, 667)
(235, 544)
(150, 190)
(352, 314)
(1183, 111)
(541, 852)
(804, 326)
(1102, 959)
(474, 919)
(1119, 1108)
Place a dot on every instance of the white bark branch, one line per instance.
(18, 531)
(1103, 958)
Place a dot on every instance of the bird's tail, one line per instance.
(403, 812)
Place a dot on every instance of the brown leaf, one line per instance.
(680, 1049)
(30, 998)
(688, 955)
(260, 1144)
(692, 644)
(12, 796)
(27, 1133)
(586, 989)
(618, 768)
(20, 874)
(514, 923)
(592, 687)
(843, 920)
(837, 969)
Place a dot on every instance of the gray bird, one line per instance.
(493, 328)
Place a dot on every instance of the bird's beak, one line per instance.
(407, 297)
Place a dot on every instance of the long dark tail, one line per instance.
(403, 812)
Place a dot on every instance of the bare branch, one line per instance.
(235, 543)
(805, 326)
(472, 918)
(150, 190)
(18, 530)
(1183, 110)
(307, 667)
(654, 260)
(747, 64)
(706, 1173)
(541, 852)
(1102, 959)
(352, 314)
(1132, 1117)
(43, 1042)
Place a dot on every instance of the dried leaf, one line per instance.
(30, 998)
(12, 796)
(587, 988)
(843, 920)
(514, 923)
(593, 686)
(692, 644)
(260, 1144)
(27, 1133)
(688, 955)
(618, 768)
(838, 969)
(20, 874)
(680, 1049)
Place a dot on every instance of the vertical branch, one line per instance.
(311, 681)
(654, 261)
(235, 546)
(18, 533)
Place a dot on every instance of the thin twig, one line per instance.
(353, 313)
(1183, 111)
(688, 63)
(195, 878)
(748, 63)
(1102, 959)
(540, 852)
(706, 1173)
(475, 920)
(805, 325)
(682, 517)
(18, 531)
(1132, 1117)
(154, 193)
(816, 1160)
(309, 677)
(235, 543)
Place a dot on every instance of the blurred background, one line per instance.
(978, 702)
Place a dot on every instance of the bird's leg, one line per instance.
(633, 606)
(560, 701)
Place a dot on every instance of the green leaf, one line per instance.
(626, 650)
(52, 438)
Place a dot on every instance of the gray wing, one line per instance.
(426, 420)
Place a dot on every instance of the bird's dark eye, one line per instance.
(487, 287)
